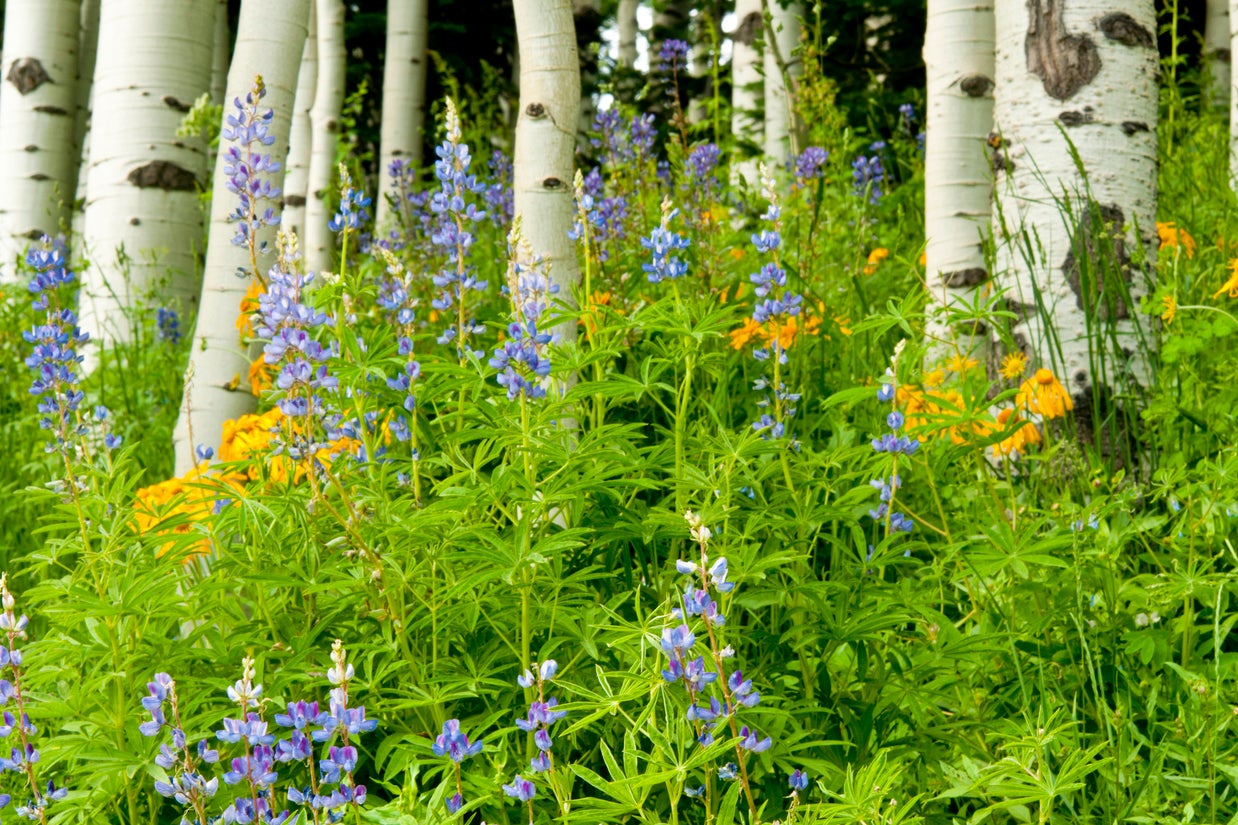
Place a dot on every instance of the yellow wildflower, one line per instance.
(961, 363)
(935, 378)
(874, 258)
(924, 258)
(1044, 395)
(1013, 365)
(844, 324)
(259, 376)
(1230, 286)
(1172, 237)
(749, 332)
(1171, 309)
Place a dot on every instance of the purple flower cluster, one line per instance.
(715, 696)
(167, 325)
(541, 717)
(595, 212)
(23, 756)
(894, 445)
(354, 209)
(415, 221)
(663, 243)
(261, 753)
(453, 204)
(286, 321)
(777, 306)
(500, 197)
(810, 163)
(247, 167)
(701, 166)
(54, 344)
(673, 55)
(522, 360)
(867, 175)
(455, 745)
(394, 295)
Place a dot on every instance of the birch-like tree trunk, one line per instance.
(270, 38)
(1217, 50)
(38, 106)
(143, 225)
(1083, 71)
(404, 93)
(958, 59)
(87, 50)
(587, 17)
(221, 53)
(325, 122)
(779, 117)
(629, 28)
(546, 138)
(747, 93)
(301, 133)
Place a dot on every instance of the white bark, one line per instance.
(38, 105)
(546, 138)
(1233, 102)
(1217, 50)
(958, 59)
(628, 31)
(220, 55)
(1082, 70)
(301, 133)
(746, 87)
(779, 119)
(270, 38)
(404, 92)
(87, 50)
(325, 122)
(143, 181)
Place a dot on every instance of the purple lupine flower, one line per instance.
(521, 789)
(798, 780)
(167, 325)
(522, 360)
(55, 344)
(454, 204)
(353, 211)
(867, 176)
(608, 133)
(672, 55)
(247, 167)
(454, 744)
(811, 163)
(643, 132)
(663, 243)
(499, 195)
(701, 166)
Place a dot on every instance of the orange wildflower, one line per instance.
(844, 324)
(1044, 395)
(736, 252)
(874, 258)
(1230, 286)
(1023, 436)
(924, 259)
(259, 376)
(1172, 237)
(171, 508)
(249, 305)
(746, 334)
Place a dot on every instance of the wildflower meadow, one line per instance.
(722, 533)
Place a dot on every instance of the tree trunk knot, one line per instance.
(162, 174)
(1064, 62)
(1122, 27)
(27, 74)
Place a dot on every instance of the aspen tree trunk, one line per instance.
(1217, 50)
(587, 23)
(221, 53)
(301, 133)
(270, 38)
(143, 226)
(629, 28)
(958, 59)
(747, 92)
(87, 50)
(404, 93)
(779, 118)
(1083, 70)
(546, 138)
(1233, 101)
(38, 105)
(325, 122)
